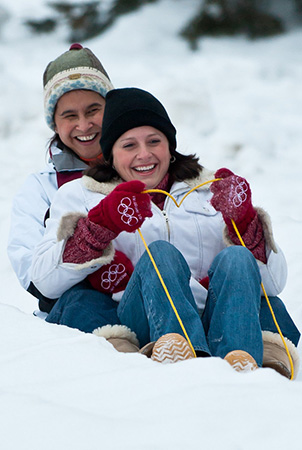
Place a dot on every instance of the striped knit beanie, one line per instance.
(78, 68)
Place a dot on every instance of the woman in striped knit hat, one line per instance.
(75, 85)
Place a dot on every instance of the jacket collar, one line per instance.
(105, 188)
(64, 159)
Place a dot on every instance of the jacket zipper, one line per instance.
(164, 213)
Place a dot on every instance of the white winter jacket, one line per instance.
(195, 228)
(29, 207)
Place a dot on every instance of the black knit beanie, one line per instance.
(130, 108)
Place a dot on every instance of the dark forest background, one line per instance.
(252, 18)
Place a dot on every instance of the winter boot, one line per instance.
(121, 337)
(241, 361)
(147, 349)
(169, 348)
(275, 355)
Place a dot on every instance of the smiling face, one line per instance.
(143, 154)
(78, 119)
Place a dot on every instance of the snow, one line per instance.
(236, 103)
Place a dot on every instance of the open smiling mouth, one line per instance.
(91, 137)
(144, 168)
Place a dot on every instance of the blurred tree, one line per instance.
(298, 6)
(254, 18)
(85, 19)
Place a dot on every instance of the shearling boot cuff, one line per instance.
(121, 337)
(275, 355)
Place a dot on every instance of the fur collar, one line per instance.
(106, 188)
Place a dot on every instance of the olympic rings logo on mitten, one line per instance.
(127, 212)
(110, 276)
(240, 192)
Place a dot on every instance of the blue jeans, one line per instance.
(145, 307)
(84, 308)
(233, 318)
(285, 322)
(234, 315)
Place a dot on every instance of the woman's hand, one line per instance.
(124, 209)
(232, 197)
(113, 277)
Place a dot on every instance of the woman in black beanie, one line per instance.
(131, 108)
(93, 238)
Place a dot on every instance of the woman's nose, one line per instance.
(143, 151)
(84, 123)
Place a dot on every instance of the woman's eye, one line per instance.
(93, 111)
(155, 141)
(70, 116)
(129, 145)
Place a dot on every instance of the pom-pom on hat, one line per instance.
(130, 108)
(78, 68)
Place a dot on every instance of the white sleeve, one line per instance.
(48, 271)
(274, 272)
(29, 207)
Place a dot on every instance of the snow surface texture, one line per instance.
(235, 103)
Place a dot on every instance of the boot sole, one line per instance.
(171, 348)
(241, 361)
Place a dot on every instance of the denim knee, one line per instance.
(162, 248)
(236, 252)
(163, 252)
(168, 257)
(235, 256)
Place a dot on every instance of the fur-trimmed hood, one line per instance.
(106, 187)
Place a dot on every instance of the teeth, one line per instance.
(86, 138)
(145, 168)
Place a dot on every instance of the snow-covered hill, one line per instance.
(235, 103)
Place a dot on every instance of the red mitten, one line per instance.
(232, 197)
(113, 277)
(124, 209)
(205, 282)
